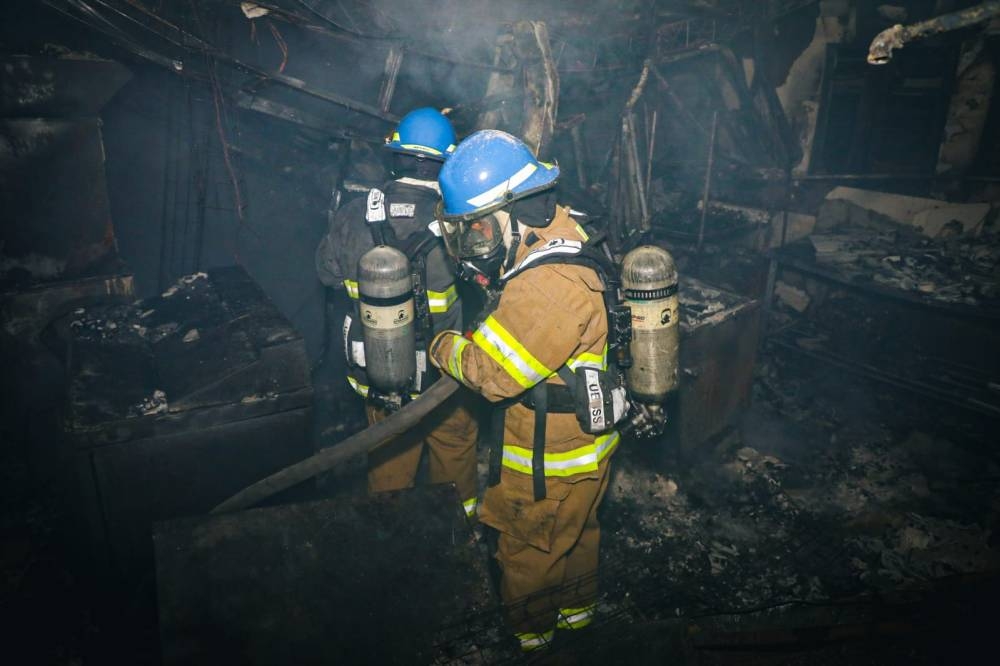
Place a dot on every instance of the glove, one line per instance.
(434, 350)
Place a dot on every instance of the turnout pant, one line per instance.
(450, 436)
(547, 551)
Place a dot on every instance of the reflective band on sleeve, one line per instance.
(589, 360)
(352, 288)
(455, 358)
(470, 506)
(441, 301)
(358, 387)
(531, 642)
(576, 618)
(583, 234)
(568, 463)
(497, 191)
(510, 354)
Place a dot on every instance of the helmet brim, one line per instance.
(542, 179)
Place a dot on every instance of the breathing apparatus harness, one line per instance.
(417, 246)
(597, 396)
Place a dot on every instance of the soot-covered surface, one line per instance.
(833, 493)
(389, 579)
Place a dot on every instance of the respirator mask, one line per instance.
(478, 247)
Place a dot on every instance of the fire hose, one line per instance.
(368, 440)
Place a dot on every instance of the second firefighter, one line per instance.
(400, 215)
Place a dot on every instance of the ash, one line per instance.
(828, 489)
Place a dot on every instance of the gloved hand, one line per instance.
(434, 350)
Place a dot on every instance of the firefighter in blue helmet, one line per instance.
(400, 214)
(501, 222)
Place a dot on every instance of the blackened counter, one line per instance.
(177, 402)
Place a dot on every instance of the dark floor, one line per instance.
(841, 522)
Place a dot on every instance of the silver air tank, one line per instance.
(649, 279)
(385, 288)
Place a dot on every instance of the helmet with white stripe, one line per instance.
(423, 132)
(488, 171)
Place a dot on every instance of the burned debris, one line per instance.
(193, 409)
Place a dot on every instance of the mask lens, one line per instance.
(450, 231)
(480, 237)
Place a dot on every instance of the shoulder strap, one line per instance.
(562, 251)
(588, 254)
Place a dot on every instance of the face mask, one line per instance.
(481, 247)
(469, 239)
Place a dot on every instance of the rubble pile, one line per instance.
(809, 501)
(962, 269)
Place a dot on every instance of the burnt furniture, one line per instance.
(718, 349)
(177, 402)
(933, 340)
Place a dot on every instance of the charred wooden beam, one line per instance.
(500, 83)
(393, 62)
(896, 37)
(541, 84)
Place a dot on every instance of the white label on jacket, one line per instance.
(654, 315)
(347, 341)
(358, 351)
(387, 318)
(595, 399)
(402, 209)
(421, 370)
(376, 206)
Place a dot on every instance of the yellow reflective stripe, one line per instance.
(440, 301)
(455, 358)
(510, 354)
(352, 288)
(575, 461)
(589, 360)
(470, 506)
(358, 387)
(531, 642)
(583, 234)
(363, 390)
(576, 618)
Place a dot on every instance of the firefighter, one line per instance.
(400, 215)
(501, 222)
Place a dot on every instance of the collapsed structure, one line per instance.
(834, 227)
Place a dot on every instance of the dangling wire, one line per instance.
(280, 41)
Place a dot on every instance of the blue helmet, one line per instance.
(423, 132)
(488, 170)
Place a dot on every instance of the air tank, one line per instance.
(385, 289)
(649, 280)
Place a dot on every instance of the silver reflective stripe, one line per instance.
(576, 618)
(511, 356)
(556, 246)
(347, 330)
(567, 463)
(535, 641)
(498, 190)
(358, 351)
(427, 184)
